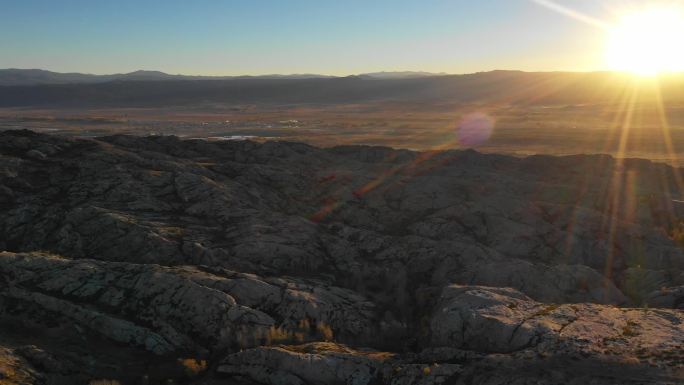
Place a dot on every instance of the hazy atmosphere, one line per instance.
(342, 192)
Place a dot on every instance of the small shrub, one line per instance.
(546, 310)
(193, 367)
(325, 331)
(304, 331)
(629, 330)
(677, 233)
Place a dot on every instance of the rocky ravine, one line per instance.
(148, 260)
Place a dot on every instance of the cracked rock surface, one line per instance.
(145, 260)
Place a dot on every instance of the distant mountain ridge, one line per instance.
(27, 77)
(153, 89)
(402, 74)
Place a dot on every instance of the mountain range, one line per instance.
(150, 89)
(23, 77)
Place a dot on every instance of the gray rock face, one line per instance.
(447, 264)
(287, 208)
(315, 364)
(567, 343)
(501, 320)
(670, 297)
(170, 309)
(494, 336)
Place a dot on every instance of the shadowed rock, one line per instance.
(168, 250)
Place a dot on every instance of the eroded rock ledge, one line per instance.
(177, 311)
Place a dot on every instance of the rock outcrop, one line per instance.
(502, 320)
(171, 309)
(252, 261)
(490, 335)
(315, 364)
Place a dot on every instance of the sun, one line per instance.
(647, 42)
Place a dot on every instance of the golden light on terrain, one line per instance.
(647, 42)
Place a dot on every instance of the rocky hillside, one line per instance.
(149, 260)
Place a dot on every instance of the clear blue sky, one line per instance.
(340, 37)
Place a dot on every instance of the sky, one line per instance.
(341, 37)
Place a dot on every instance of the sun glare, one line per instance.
(647, 42)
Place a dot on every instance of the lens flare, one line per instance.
(475, 129)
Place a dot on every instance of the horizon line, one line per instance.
(427, 73)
